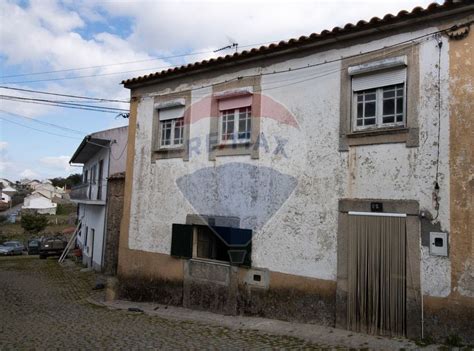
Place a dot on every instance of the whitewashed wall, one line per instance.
(300, 238)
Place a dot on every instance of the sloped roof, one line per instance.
(88, 148)
(360, 26)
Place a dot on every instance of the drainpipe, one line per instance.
(104, 237)
(421, 293)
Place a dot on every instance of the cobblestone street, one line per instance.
(44, 306)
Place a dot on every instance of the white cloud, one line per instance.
(3, 145)
(173, 25)
(58, 163)
(28, 173)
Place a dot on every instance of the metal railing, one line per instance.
(89, 191)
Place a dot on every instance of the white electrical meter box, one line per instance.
(438, 244)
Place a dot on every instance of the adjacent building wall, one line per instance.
(115, 191)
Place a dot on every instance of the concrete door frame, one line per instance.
(414, 298)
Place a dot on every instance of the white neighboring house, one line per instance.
(101, 154)
(5, 182)
(6, 198)
(49, 190)
(39, 204)
(9, 190)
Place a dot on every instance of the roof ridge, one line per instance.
(417, 11)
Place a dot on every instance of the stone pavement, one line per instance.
(44, 305)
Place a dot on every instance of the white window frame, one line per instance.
(378, 110)
(235, 138)
(172, 136)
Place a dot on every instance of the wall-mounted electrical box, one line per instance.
(438, 244)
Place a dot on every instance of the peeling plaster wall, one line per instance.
(300, 238)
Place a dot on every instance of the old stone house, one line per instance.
(100, 196)
(325, 179)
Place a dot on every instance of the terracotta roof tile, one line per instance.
(349, 27)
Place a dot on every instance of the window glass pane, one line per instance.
(370, 95)
(244, 123)
(388, 107)
(388, 119)
(369, 121)
(370, 109)
(400, 105)
(166, 132)
(399, 118)
(360, 110)
(359, 122)
(178, 131)
(388, 93)
(227, 125)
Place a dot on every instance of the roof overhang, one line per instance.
(337, 35)
(88, 148)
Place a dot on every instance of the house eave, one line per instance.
(325, 38)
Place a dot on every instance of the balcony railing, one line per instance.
(89, 192)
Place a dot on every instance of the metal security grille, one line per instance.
(377, 274)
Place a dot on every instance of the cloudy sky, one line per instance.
(82, 47)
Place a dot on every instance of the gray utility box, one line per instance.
(439, 244)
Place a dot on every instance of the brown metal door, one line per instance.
(377, 274)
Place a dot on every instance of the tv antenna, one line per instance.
(233, 45)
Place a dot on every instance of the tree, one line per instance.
(74, 179)
(33, 223)
(69, 182)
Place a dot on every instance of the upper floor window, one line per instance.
(381, 107)
(171, 131)
(236, 125)
(378, 95)
(235, 121)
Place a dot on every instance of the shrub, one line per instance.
(33, 223)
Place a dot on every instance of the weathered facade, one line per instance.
(102, 155)
(257, 183)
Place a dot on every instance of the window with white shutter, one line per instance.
(379, 94)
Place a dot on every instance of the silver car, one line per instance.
(12, 248)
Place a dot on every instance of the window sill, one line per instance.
(168, 152)
(234, 149)
(210, 261)
(232, 145)
(377, 131)
(378, 136)
(171, 148)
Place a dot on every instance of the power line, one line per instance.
(126, 62)
(154, 69)
(21, 98)
(99, 75)
(290, 69)
(64, 95)
(68, 105)
(39, 130)
(44, 123)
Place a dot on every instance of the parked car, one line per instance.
(34, 246)
(17, 247)
(6, 251)
(52, 246)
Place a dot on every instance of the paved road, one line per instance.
(43, 306)
(14, 209)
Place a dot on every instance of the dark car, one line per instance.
(13, 247)
(52, 246)
(34, 246)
